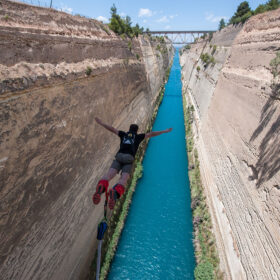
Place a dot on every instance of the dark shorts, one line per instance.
(123, 162)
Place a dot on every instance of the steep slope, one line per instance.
(237, 136)
(58, 72)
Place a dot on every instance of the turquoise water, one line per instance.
(156, 242)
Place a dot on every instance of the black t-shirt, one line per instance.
(130, 142)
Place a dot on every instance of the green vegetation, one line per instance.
(166, 78)
(204, 271)
(275, 65)
(210, 36)
(269, 6)
(242, 14)
(244, 11)
(104, 28)
(275, 70)
(138, 56)
(207, 59)
(137, 174)
(123, 25)
(161, 47)
(185, 48)
(160, 39)
(222, 24)
(203, 36)
(148, 32)
(117, 220)
(88, 70)
(214, 50)
(207, 260)
(129, 44)
(6, 17)
(198, 68)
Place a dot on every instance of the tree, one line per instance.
(242, 9)
(116, 23)
(242, 13)
(113, 10)
(123, 25)
(273, 4)
(270, 5)
(260, 9)
(222, 24)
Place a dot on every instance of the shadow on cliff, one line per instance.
(268, 163)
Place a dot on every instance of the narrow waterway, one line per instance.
(156, 242)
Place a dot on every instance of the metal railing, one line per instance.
(182, 37)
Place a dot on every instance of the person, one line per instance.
(129, 143)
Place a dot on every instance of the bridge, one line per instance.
(181, 37)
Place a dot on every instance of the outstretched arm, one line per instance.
(108, 127)
(156, 133)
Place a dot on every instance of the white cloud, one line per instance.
(66, 9)
(173, 16)
(103, 19)
(163, 19)
(213, 18)
(122, 14)
(144, 20)
(145, 13)
(167, 27)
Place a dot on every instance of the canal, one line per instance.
(156, 242)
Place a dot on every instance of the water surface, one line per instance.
(156, 242)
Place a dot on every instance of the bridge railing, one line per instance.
(182, 36)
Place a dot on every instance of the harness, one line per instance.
(128, 142)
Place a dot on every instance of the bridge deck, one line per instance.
(180, 32)
(184, 36)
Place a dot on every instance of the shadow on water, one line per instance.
(268, 163)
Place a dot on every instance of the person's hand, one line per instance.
(169, 129)
(98, 120)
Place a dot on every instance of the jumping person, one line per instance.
(129, 143)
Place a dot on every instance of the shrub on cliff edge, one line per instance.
(222, 24)
(88, 70)
(207, 59)
(269, 6)
(275, 65)
(242, 13)
(123, 25)
(204, 271)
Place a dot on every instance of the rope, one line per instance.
(102, 227)
(98, 258)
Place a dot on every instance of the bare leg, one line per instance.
(124, 178)
(112, 172)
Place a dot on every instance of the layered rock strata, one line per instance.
(237, 125)
(58, 72)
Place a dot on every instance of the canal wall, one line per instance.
(235, 98)
(57, 73)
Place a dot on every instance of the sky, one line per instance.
(157, 14)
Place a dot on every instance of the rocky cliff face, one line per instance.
(58, 72)
(237, 127)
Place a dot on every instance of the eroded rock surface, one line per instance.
(58, 72)
(237, 127)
